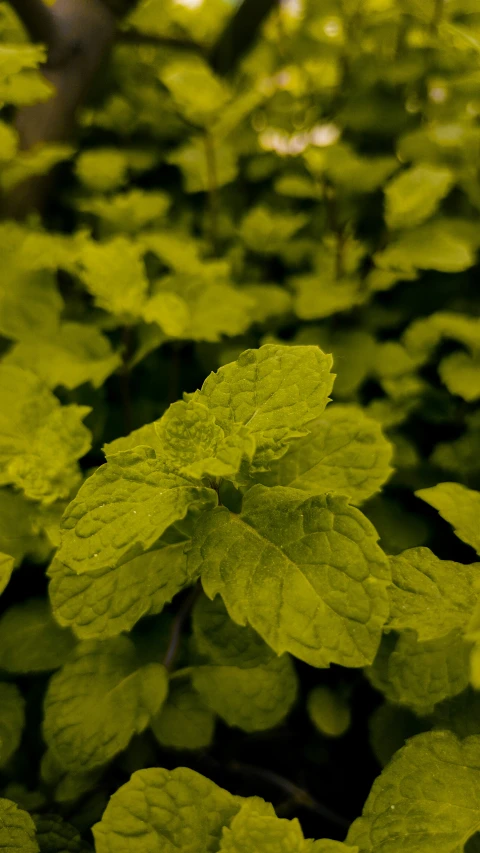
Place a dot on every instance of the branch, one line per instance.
(239, 34)
(78, 35)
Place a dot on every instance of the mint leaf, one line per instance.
(224, 642)
(12, 721)
(457, 505)
(328, 712)
(305, 572)
(114, 273)
(76, 354)
(274, 391)
(197, 93)
(40, 440)
(185, 721)
(54, 835)
(98, 701)
(432, 246)
(253, 699)
(414, 195)
(67, 786)
(30, 639)
(427, 798)
(17, 829)
(189, 814)
(345, 452)
(256, 825)
(123, 509)
(430, 596)
(101, 169)
(107, 602)
(7, 564)
(192, 441)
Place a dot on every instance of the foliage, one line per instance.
(240, 439)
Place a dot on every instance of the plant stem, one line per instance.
(212, 181)
(296, 794)
(178, 624)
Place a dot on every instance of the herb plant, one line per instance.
(239, 426)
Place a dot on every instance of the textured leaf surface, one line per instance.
(257, 828)
(459, 506)
(55, 835)
(12, 721)
(345, 452)
(427, 800)
(161, 810)
(224, 642)
(275, 391)
(40, 440)
(115, 275)
(123, 509)
(17, 829)
(30, 639)
(305, 572)
(253, 699)
(192, 442)
(98, 701)
(107, 602)
(185, 721)
(430, 596)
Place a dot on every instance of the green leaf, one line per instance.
(460, 715)
(193, 443)
(345, 452)
(425, 673)
(30, 639)
(98, 701)
(7, 564)
(429, 247)
(19, 528)
(40, 440)
(425, 334)
(414, 195)
(264, 231)
(427, 799)
(185, 721)
(128, 211)
(54, 835)
(328, 712)
(460, 372)
(457, 505)
(224, 642)
(318, 296)
(102, 169)
(17, 829)
(198, 94)
(390, 727)
(31, 305)
(12, 721)
(191, 159)
(37, 161)
(76, 354)
(256, 827)
(430, 596)
(305, 572)
(68, 787)
(275, 391)
(114, 273)
(253, 699)
(189, 814)
(123, 509)
(8, 142)
(107, 602)
(170, 311)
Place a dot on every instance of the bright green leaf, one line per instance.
(305, 572)
(40, 440)
(256, 827)
(224, 642)
(7, 564)
(189, 814)
(345, 452)
(328, 711)
(459, 506)
(17, 829)
(107, 602)
(123, 509)
(414, 195)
